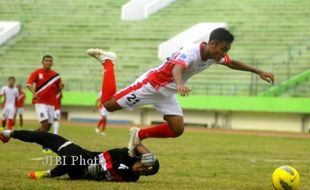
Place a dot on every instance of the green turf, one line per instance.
(196, 160)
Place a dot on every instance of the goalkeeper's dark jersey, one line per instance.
(118, 163)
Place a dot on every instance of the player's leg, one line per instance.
(103, 113)
(45, 126)
(11, 116)
(173, 116)
(15, 116)
(3, 123)
(20, 112)
(4, 117)
(72, 159)
(55, 126)
(98, 126)
(108, 88)
(21, 120)
(57, 171)
(173, 127)
(57, 117)
(52, 141)
(43, 116)
(103, 124)
(40, 174)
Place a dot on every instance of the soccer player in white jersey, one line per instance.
(159, 86)
(10, 93)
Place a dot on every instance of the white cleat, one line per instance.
(134, 140)
(103, 133)
(101, 55)
(97, 130)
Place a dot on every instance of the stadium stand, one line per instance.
(274, 40)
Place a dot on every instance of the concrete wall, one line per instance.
(8, 29)
(234, 120)
(266, 121)
(141, 9)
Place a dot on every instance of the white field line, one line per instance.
(37, 159)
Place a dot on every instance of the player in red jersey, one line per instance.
(10, 94)
(20, 105)
(159, 86)
(44, 84)
(57, 113)
(103, 116)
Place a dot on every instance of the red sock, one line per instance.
(11, 124)
(99, 123)
(104, 122)
(108, 88)
(158, 131)
(4, 123)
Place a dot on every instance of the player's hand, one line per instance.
(266, 76)
(148, 159)
(183, 90)
(34, 96)
(62, 86)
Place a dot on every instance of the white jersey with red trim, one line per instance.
(189, 57)
(10, 95)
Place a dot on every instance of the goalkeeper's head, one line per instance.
(146, 169)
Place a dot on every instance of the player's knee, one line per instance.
(111, 106)
(45, 126)
(179, 131)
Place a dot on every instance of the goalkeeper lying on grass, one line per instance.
(78, 163)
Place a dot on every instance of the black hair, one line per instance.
(221, 35)
(11, 78)
(46, 56)
(154, 168)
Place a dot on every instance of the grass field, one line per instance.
(196, 160)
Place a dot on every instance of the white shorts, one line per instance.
(8, 113)
(143, 93)
(19, 111)
(45, 112)
(57, 114)
(103, 111)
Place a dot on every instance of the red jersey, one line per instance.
(47, 86)
(58, 101)
(20, 99)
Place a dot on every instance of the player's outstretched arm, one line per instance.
(147, 157)
(177, 76)
(238, 65)
(141, 149)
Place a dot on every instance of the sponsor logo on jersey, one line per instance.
(40, 76)
(183, 56)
